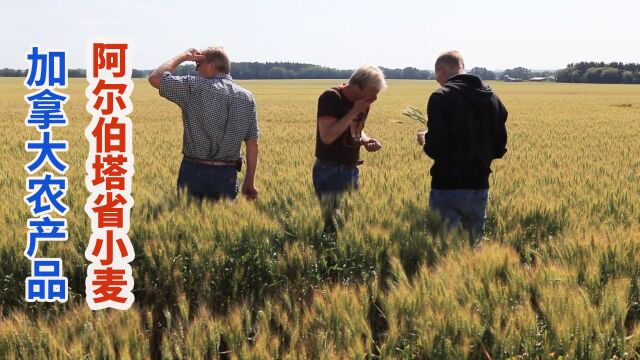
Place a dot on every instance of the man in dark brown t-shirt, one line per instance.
(342, 112)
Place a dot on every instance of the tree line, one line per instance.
(582, 72)
(256, 70)
(516, 73)
(600, 72)
(289, 70)
(72, 73)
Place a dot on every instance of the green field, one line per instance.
(557, 277)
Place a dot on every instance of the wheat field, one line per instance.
(558, 276)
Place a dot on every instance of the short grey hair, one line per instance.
(368, 75)
(218, 56)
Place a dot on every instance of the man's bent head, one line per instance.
(448, 64)
(368, 81)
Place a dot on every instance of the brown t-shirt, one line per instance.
(344, 149)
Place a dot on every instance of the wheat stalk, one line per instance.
(416, 115)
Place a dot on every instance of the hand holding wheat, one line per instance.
(418, 116)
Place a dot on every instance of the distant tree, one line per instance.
(185, 69)
(592, 75)
(13, 73)
(611, 75)
(406, 73)
(392, 73)
(278, 72)
(564, 75)
(601, 72)
(483, 73)
(309, 72)
(409, 73)
(136, 73)
(519, 72)
(576, 76)
(77, 73)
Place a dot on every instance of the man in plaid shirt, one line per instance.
(218, 115)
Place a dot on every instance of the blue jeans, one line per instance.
(466, 208)
(330, 181)
(331, 178)
(208, 181)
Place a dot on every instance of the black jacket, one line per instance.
(466, 131)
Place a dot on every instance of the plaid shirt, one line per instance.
(217, 114)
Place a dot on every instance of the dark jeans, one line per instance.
(466, 208)
(208, 181)
(330, 182)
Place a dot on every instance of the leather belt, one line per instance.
(210, 162)
(333, 163)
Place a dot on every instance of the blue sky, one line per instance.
(496, 34)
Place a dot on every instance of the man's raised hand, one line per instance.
(362, 105)
(192, 55)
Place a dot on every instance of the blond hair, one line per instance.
(368, 75)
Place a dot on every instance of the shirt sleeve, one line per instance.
(175, 88)
(501, 131)
(253, 132)
(436, 136)
(328, 104)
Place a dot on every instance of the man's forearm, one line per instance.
(170, 65)
(252, 160)
(338, 127)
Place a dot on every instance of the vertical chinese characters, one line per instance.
(46, 189)
(109, 169)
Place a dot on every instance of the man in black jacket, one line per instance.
(465, 133)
